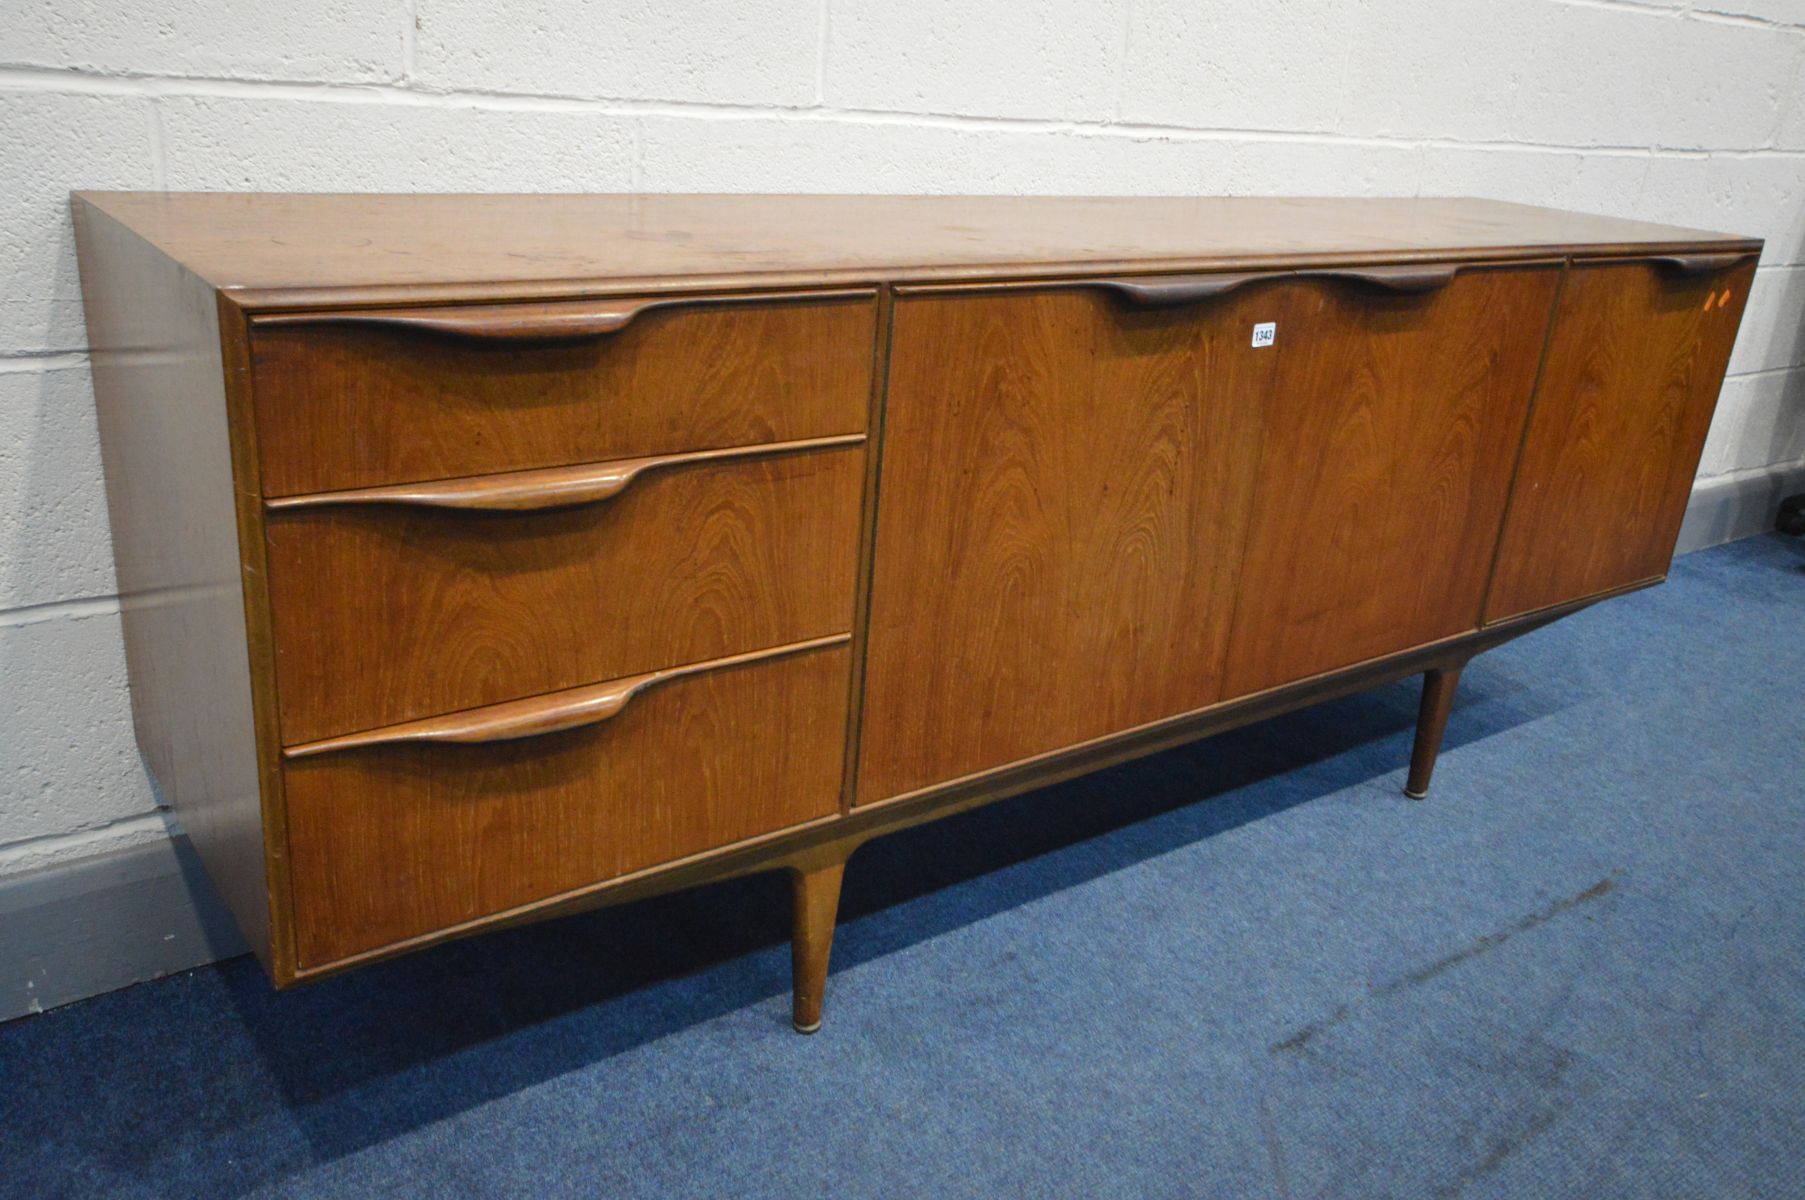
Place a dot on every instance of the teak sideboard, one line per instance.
(489, 557)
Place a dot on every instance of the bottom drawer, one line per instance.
(389, 842)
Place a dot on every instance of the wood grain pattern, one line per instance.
(1061, 508)
(315, 249)
(1156, 291)
(551, 488)
(260, 633)
(874, 452)
(1635, 362)
(392, 843)
(553, 712)
(170, 458)
(1383, 476)
(1439, 685)
(540, 324)
(361, 444)
(814, 900)
(351, 406)
(1702, 264)
(823, 840)
(387, 614)
(837, 836)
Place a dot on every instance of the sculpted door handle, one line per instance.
(1700, 264)
(1408, 278)
(533, 324)
(1167, 291)
(553, 487)
(572, 708)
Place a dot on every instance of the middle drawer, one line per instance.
(389, 611)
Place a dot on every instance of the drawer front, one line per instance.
(1634, 366)
(392, 842)
(348, 400)
(385, 612)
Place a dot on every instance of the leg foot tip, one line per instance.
(801, 1028)
(1422, 795)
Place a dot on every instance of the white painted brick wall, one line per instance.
(248, 143)
(54, 541)
(48, 142)
(352, 40)
(1031, 59)
(702, 51)
(1691, 111)
(71, 770)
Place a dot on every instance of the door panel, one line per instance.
(1061, 508)
(1634, 366)
(1391, 431)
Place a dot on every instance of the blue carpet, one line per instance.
(1244, 968)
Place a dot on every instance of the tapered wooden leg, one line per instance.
(815, 899)
(1431, 721)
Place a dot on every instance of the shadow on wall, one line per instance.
(65, 728)
(361, 1058)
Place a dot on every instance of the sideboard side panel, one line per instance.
(167, 455)
(1634, 365)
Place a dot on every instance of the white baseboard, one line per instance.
(1736, 506)
(81, 928)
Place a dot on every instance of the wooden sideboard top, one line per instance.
(275, 250)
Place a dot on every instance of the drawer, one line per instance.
(395, 840)
(400, 603)
(364, 398)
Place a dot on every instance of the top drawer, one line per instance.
(363, 398)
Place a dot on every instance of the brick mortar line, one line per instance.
(1773, 468)
(824, 35)
(1745, 20)
(23, 363)
(1688, 12)
(1789, 369)
(1628, 6)
(21, 615)
(410, 33)
(60, 81)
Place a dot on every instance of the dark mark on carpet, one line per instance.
(1302, 1037)
(1533, 1127)
(1275, 1154)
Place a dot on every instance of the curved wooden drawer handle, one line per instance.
(1700, 264)
(550, 713)
(1168, 291)
(517, 324)
(552, 487)
(1411, 279)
